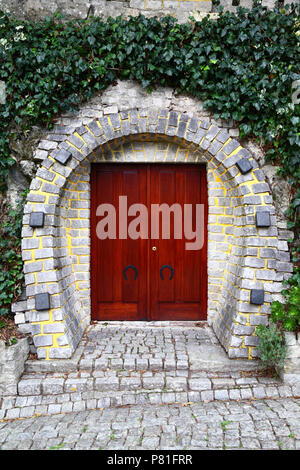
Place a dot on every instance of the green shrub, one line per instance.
(271, 347)
(288, 314)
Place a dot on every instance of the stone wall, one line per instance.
(182, 9)
(12, 360)
(290, 372)
(119, 125)
(241, 256)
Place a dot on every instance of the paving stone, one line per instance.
(13, 413)
(27, 411)
(130, 383)
(153, 382)
(176, 383)
(200, 384)
(29, 387)
(259, 392)
(221, 395)
(54, 409)
(52, 386)
(218, 383)
(107, 383)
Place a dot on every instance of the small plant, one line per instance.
(288, 314)
(272, 347)
(224, 424)
(57, 447)
(12, 341)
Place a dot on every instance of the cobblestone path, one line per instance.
(152, 387)
(261, 424)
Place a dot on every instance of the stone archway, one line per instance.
(242, 228)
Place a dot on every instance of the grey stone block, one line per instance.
(176, 383)
(257, 296)
(29, 387)
(173, 119)
(261, 188)
(198, 384)
(42, 301)
(244, 165)
(63, 156)
(263, 219)
(43, 340)
(221, 395)
(231, 146)
(37, 219)
(53, 386)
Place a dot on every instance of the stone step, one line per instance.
(122, 380)
(139, 363)
(28, 405)
(154, 346)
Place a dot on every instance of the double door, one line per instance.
(148, 242)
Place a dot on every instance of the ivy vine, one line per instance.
(242, 65)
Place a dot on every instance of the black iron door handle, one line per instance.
(128, 267)
(166, 266)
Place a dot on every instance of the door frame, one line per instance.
(147, 316)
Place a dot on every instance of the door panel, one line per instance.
(149, 292)
(184, 296)
(117, 294)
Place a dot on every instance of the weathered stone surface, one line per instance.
(12, 360)
(290, 372)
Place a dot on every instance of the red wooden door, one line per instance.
(178, 280)
(148, 278)
(117, 294)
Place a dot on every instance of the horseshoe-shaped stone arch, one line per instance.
(242, 233)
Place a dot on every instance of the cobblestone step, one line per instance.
(51, 393)
(121, 365)
(123, 380)
(28, 405)
(148, 346)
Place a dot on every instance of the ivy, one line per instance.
(242, 65)
(288, 315)
(11, 264)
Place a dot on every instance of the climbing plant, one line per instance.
(242, 65)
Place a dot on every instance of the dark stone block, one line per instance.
(37, 219)
(63, 156)
(244, 165)
(263, 219)
(257, 296)
(42, 301)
